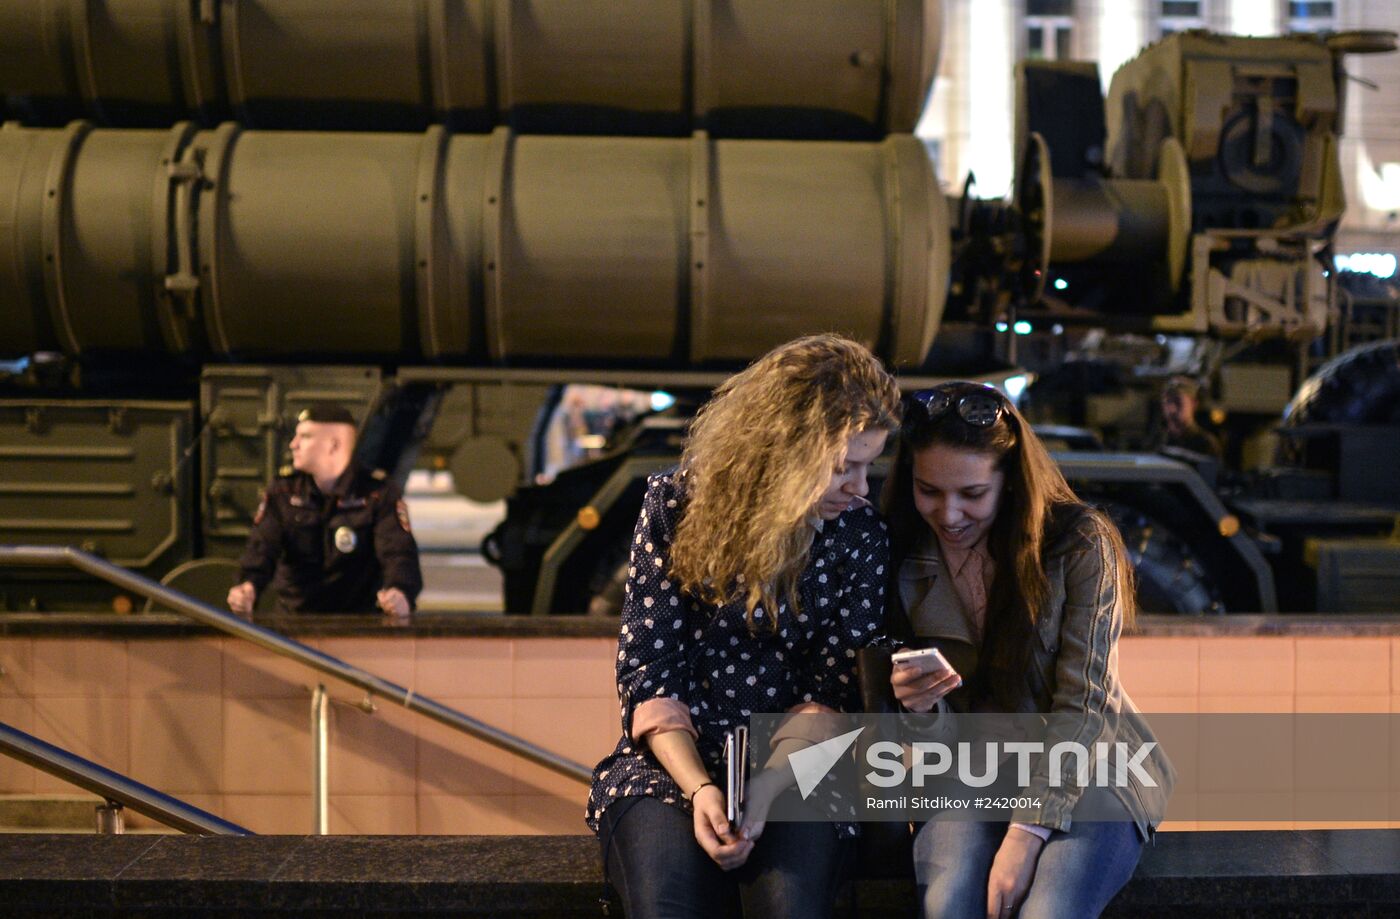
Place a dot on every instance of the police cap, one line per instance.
(327, 414)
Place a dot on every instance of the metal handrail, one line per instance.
(113, 786)
(61, 556)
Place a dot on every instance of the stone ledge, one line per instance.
(1269, 873)
(497, 625)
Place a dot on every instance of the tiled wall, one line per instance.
(225, 725)
(1272, 674)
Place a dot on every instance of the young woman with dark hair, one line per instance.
(1026, 590)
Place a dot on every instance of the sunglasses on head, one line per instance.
(977, 405)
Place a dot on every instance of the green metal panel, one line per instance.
(25, 324)
(1357, 575)
(107, 476)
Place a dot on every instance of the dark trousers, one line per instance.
(660, 871)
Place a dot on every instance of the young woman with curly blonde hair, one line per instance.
(757, 570)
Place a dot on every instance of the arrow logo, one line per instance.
(811, 765)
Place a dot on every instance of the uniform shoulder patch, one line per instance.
(401, 509)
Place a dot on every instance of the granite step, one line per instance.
(1230, 875)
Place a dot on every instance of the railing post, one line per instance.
(109, 819)
(320, 768)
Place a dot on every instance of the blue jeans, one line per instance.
(1077, 874)
(660, 871)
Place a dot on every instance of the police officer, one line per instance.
(337, 535)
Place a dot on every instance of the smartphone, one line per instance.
(927, 660)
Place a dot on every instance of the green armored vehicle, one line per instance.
(442, 212)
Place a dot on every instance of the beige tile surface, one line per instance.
(1246, 755)
(179, 740)
(270, 814)
(1395, 666)
(453, 763)
(1343, 666)
(584, 731)
(1213, 704)
(1344, 753)
(1153, 704)
(1254, 666)
(93, 728)
(1342, 702)
(1159, 666)
(390, 658)
(1339, 807)
(374, 815)
(1245, 810)
(1394, 769)
(186, 666)
(15, 777)
(269, 747)
(373, 754)
(550, 814)
(177, 743)
(80, 668)
(17, 667)
(1179, 736)
(1181, 806)
(466, 815)
(465, 667)
(1243, 826)
(565, 668)
(251, 672)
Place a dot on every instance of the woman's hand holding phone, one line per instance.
(920, 678)
(717, 836)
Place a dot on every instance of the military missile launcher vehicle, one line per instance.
(440, 212)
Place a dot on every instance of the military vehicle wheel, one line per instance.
(1170, 577)
(1360, 386)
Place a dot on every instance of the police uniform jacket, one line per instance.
(332, 552)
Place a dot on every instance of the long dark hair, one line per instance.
(1036, 509)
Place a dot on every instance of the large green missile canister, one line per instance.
(820, 68)
(498, 248)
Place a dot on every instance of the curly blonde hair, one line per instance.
(759, 456)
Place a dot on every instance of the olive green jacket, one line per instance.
(1074, 663)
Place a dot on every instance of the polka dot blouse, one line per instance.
(672, 646)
